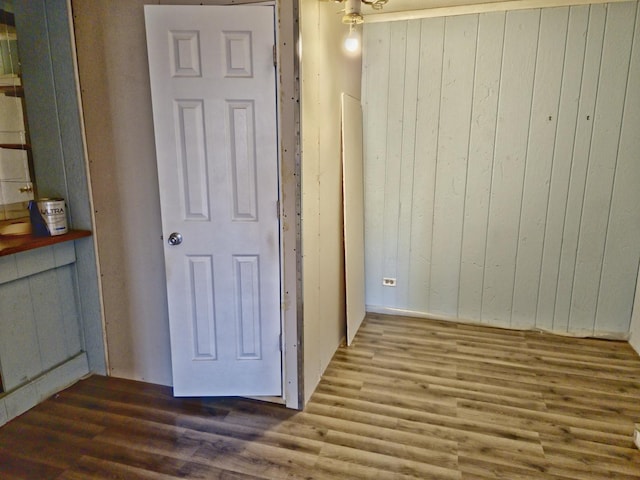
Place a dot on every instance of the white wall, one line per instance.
(325, 73)
(116, 102)
(502, 166)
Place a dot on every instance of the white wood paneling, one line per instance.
(623, 229)
(424, 165)
(376, 82)
(510, 150)
(395, 127)
(542, 132)
(607, 123)
(582, 141)
(561, 170)
(512, 197)
(453, 147)
(408, 152)
(481, 142)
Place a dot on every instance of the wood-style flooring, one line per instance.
(411, 398)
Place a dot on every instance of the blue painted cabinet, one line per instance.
(39, 321)
(51, 329)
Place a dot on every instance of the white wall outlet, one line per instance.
(389, 282)
(636, 435)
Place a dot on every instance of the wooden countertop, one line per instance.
(10, 244)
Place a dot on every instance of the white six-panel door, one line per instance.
(214, 106)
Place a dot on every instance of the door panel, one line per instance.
(214, 105)
(353, 195)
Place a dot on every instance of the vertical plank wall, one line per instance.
(502, 166)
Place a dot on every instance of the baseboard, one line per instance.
(634, 341)
(27, 396)
(434, 316)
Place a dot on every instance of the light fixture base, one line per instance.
(353, 18)
(375, 4)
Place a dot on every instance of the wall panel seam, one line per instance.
(466, 182)
(615, 169)
(413, 169)
(402, 148)
(436, 150)
(34, 316)
(553, 162)
(586, 177)
(386, 161)
(415, 135)
(526, 165)
(571, 168)
(493, 160)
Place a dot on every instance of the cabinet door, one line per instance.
(15, 192)
(12, 125)
(14, 165)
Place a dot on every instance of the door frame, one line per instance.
(288, 107)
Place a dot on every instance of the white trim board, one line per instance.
(477, 8)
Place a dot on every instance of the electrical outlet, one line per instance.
(389, 282)
(636, 435)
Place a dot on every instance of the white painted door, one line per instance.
(214, 109)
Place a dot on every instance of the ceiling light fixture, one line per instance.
(375, 4)
(353, 18)
(352, 41)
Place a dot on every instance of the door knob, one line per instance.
(174, 239)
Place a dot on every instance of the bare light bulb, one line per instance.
(352, 42)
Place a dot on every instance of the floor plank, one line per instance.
(410, 399)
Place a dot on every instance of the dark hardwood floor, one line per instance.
(411, 398)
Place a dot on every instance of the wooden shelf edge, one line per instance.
(16, 146)
(22, 243)
(12, 90)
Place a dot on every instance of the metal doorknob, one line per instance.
(174, 239)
